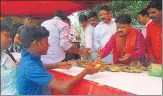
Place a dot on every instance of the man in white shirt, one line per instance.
(8, 66)
(144, 20)
(59, 39)
(93, 21)
(84, 24)
(103, 32)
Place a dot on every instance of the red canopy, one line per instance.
(44, 8)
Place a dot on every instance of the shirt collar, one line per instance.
(26, 53)
(56, 17)
(111, 21)
(148, 23)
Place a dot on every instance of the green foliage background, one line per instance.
(118, 7)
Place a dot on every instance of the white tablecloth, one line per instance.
(136, 83)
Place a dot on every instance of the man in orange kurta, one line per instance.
(154, 33)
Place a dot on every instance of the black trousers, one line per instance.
(70, 55)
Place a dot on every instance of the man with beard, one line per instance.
(154, 32)
(103, 31)
(127, 43)
(144, 20)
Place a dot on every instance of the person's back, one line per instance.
(55, 27)
(74, 35)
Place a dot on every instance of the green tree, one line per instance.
(118, 7)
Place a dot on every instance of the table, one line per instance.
(107, 82)
(110, 82)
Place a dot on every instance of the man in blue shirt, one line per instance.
(32, 74)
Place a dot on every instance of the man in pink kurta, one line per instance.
(127, 43)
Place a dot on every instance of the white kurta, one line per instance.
(102, 34)
(8, 75)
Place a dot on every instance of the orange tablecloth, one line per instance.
(86, 87)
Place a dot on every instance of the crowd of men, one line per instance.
(49, 45)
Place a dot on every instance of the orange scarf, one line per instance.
(121, 48)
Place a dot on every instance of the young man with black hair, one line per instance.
(32, 74)
(127, 43)
(84, 24)
(93, 21)
(144, 20)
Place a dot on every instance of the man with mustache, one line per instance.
(127, 43)
(103, 31)
(154, 32)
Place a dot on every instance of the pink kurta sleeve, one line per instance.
(109, 46)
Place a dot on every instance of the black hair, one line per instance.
(82, 18)
(30, 33)
(143, 12)
(5, 26)
(92, 14)
(105, 7)
(155, 4)
(28, 16)
(61, 14)
(123, 19)
(68, 20)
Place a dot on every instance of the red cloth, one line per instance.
(154, 41)
(86, 87)
(130, 45)
(134, 46)
(45, 9)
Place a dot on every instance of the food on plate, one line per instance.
(102, 69)
(97, 65)
(125, 70)
(89, 51)
(114, 68)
